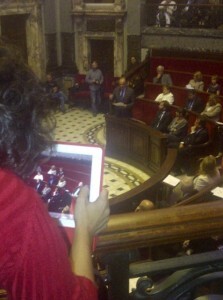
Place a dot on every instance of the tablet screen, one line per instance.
(63, 171)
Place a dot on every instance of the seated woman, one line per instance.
(208, 173)
(214, 87)
(213, 108)
(196, 83)
(166, 95)
(177, 129)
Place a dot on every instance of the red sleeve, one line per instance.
(34, 261)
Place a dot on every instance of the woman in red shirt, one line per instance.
(34, 262)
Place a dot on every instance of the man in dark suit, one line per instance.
(162, 118)
(198, 135)
(122, 100)
(193, 102)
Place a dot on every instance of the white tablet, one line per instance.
(81, 165)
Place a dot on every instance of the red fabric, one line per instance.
(34, 261)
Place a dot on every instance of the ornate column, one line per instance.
(35, 40)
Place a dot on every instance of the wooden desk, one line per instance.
(135, 143)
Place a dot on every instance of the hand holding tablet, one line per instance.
(94, 158)
(91, 216)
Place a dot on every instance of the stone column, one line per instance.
(35, 41)
(119, 47)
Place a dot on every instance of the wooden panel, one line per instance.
(135, 143)
(139, 145)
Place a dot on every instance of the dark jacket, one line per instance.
(200, 136)
(195, 104)
(162, 120)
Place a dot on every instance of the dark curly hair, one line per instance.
(26, 120)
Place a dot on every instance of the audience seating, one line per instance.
(181, 78)
(180, 93)
(187, 65)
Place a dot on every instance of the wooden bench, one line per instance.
(206, 66)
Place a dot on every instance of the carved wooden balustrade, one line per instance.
(127, 232)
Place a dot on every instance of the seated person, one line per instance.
(208, 173)
(59, 96)
(46, 192)
(145, 205)
(177, 129)
(60, 172)
(166, 95)
(196, 83)
(162, 118)
(161, 77)
(165, 14)
(38, 176)
(62, 182)
(194, 14)
(52, 175)
(213, 108)
(59, 200)
(193, 102)
(39, 186)
(198, 135)
(50, 83)
(121, 100)
(52, 170)
(214, 87)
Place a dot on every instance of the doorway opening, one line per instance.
(103, 52)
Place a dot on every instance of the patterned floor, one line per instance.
(79, 126)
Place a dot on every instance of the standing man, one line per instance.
(95, 78)
(122, 100)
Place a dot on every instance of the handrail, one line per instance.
(173, 264)
(161, 226)
(137, 68)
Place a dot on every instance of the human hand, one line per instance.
(91, 216)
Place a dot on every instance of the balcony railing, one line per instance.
(184, 15)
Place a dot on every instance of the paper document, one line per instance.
(171, 180)
(218, 192)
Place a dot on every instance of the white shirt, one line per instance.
(38, 177)
(165, 97)
(201, 181)
(169, 7)
(52, 172)
(61, 184)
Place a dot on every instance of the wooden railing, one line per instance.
(143, 147)
(161, 226)
(131, 231)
